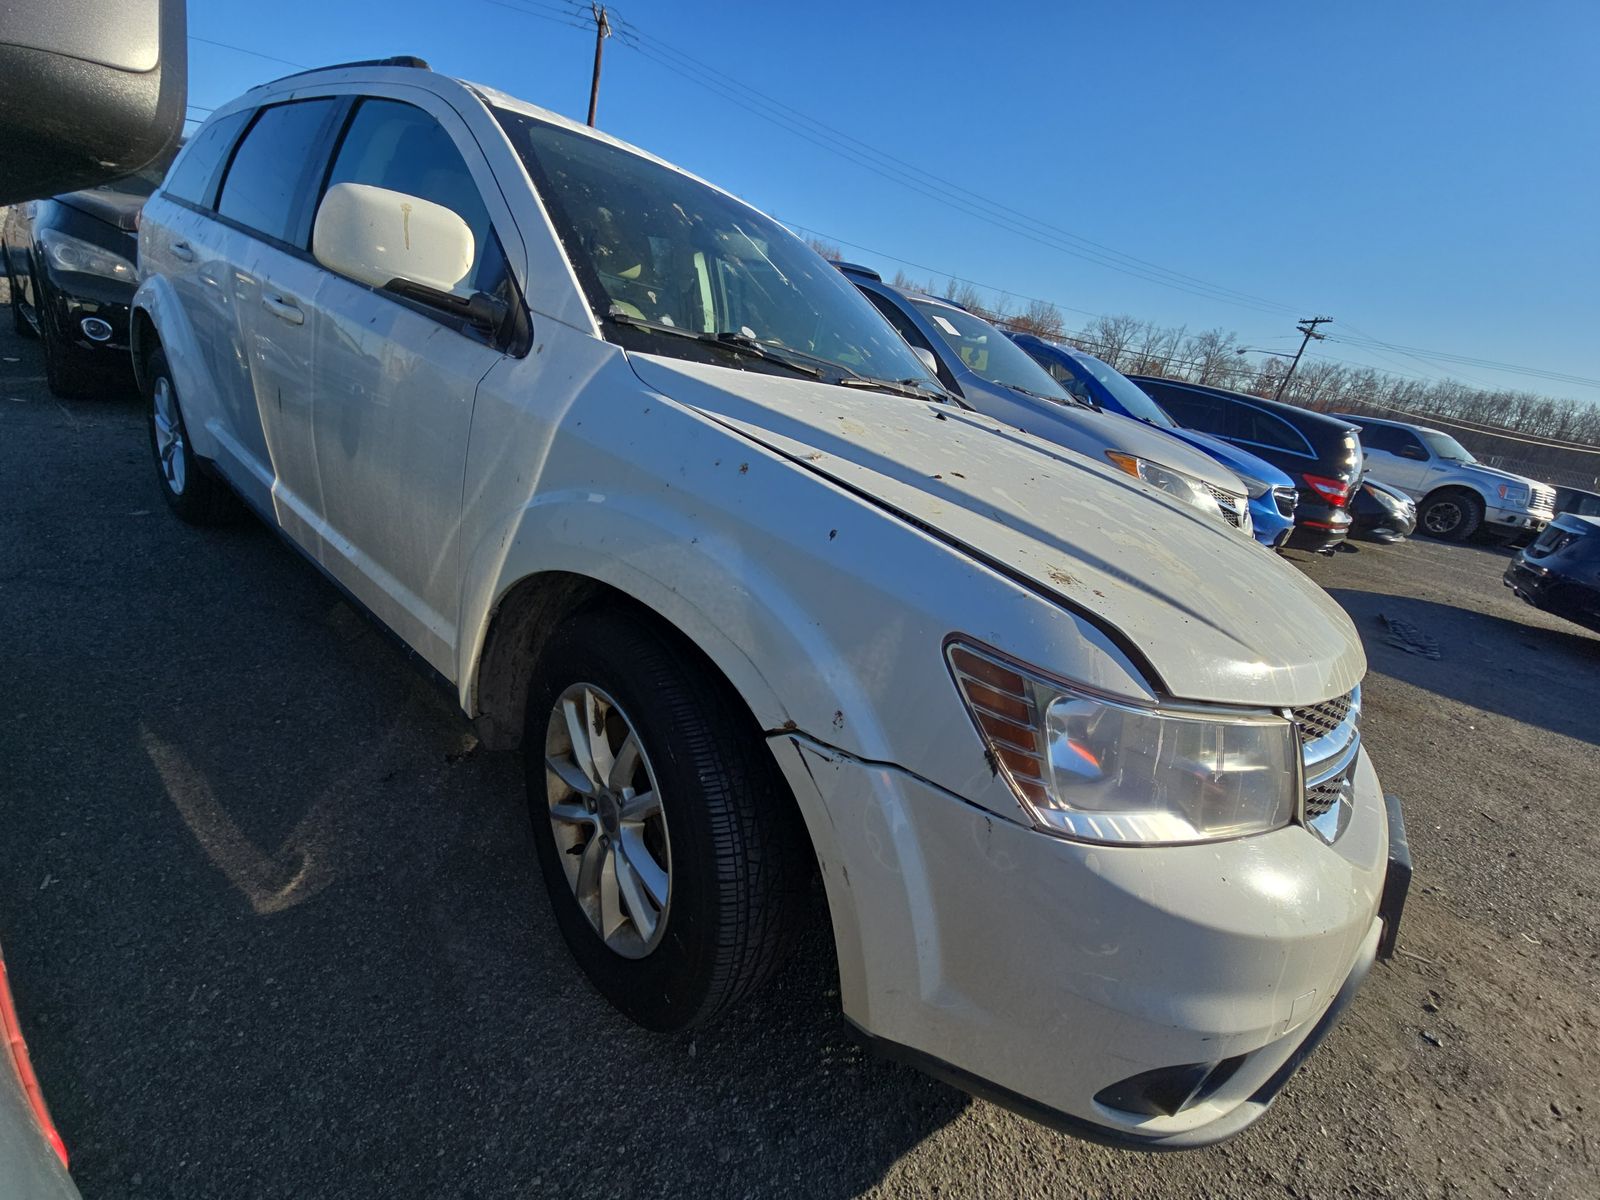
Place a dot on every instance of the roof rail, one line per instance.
(856, 269)
(398, 60)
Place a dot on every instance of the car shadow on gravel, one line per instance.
(1529, 673)
(285, 934)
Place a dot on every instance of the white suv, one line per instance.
(667, 503)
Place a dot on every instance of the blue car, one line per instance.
(1272, 493)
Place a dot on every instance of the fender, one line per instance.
(156, 300)
(626, 542)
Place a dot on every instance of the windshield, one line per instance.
(988, 352)
(1446, 447)
(654, 247)
(1133, 399)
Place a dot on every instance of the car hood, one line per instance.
(1497, 473)
(1240, 461)
(1217, 617)
(118, 209)
(1094, 431)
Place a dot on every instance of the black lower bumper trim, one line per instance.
(1398, 880)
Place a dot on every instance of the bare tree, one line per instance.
(827, 249)
(1040, 317)
(1213, 357)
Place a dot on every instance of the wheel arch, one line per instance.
(1455, 485)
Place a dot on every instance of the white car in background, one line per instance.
(665, 502)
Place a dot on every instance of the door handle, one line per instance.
(182, 251)
(283, 309)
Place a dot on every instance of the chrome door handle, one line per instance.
(284, 309)
(182, 250)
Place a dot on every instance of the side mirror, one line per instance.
(376, 236)
(94, 90)
(1413, 452)
(404, 244)
(927, 359)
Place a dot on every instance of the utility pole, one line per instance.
(602, 30)
(1308, 326)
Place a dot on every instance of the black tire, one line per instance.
(191, 492)
(20, 323)
(739, 862)
(1452, 515)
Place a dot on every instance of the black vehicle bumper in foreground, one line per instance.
(1318, 527)
(1555, 593)
(89, 314)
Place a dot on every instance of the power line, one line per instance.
(193, 37)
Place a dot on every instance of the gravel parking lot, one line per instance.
(274, 926)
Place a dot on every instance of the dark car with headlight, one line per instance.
(1560, 572)
(70, 261)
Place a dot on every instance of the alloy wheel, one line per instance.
(169, 436)
(1442, 517)
(605, 812)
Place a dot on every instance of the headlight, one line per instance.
(1514, 493)
(1095, 769)
(74, 254)
(1175, 483)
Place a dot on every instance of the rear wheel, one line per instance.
(190, 492)
(672, 856)
(1452, 515)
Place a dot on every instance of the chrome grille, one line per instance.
(1285, 498)
(1321, 798)
(1330, 742)
(1543, 503)
(1232, 506)
(1319, 720)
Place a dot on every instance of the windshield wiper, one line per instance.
(734, 342)
(917, 389)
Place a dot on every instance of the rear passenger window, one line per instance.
(1250, 424)
(194, 175)
(400, 147)
(1382, 437)
(273, 171)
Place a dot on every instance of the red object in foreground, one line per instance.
(11, 1033)
(1335, 491)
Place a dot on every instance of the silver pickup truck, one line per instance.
(1455, 493)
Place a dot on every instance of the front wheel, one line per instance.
(193, 495)
(673, 856)
(1452, 516)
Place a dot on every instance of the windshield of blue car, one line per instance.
(658, 252)
(989, 353)
(1133, 399)
(1446, 447)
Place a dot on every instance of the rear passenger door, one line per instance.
(396, 380)
(267, 195)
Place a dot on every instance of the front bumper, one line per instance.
(72, 297)
(1516, 520)
(1042, 972)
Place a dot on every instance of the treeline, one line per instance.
(1215, 357)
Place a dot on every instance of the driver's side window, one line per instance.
(398, 146)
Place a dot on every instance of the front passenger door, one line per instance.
(395, 385)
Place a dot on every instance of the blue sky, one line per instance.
(1425, 172)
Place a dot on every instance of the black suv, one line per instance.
(1321, 454)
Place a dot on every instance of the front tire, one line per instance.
(19, 322)
(191, 493)
(672, 854)
(1452, 515)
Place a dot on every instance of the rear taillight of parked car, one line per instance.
(1335, 491)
